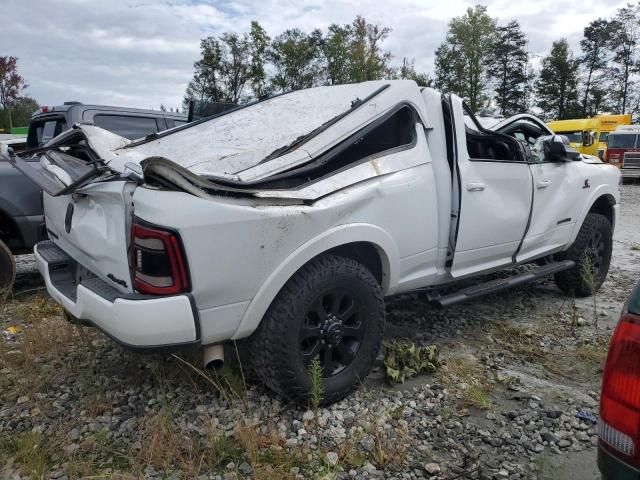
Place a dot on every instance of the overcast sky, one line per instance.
(141, 53)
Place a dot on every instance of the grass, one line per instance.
(317, 387)
(468, 379)
(635, 247)
(523, 342)
(30, 451)
(46, 351)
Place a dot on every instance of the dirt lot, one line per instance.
(515, 397)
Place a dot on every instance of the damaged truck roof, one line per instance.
(291, 146)
(254, 143)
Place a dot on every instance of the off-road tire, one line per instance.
(7, 269)
(582, 251)
(276, 345)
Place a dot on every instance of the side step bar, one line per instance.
(494, 286)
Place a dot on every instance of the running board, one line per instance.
(494, 286)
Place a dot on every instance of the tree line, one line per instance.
(488, 63)
(482, 60)
(234, 68)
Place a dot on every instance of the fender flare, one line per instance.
(335, 237)
(600, 191)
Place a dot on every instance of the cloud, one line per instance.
(141, 54)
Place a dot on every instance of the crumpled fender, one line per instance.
(340, 235)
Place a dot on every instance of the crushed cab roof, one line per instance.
(268, 136)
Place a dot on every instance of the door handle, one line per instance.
(475, 187)
(543, 184)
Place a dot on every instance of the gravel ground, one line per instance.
(515, 397)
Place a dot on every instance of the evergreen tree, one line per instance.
(557, 84)
(461, 60)
(367, 58)
(594, 60)
(623, 42)
(508, 62)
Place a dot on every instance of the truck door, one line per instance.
(495, 197)
(555, 208)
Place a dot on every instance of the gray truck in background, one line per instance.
(21, 214)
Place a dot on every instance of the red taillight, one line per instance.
(157, 262)
(620, 399)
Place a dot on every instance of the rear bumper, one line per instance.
(133, 320)
(613, 469)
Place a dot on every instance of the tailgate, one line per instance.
(92, 226)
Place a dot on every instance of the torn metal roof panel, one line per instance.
(282, 132)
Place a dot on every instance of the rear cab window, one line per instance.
(128, 126)
(43, 130)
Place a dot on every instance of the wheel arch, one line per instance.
(365, 243)
(603, 201)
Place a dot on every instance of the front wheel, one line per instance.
(331, 310)
(592, 253)
(7, 268)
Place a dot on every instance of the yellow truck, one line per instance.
(590, 135)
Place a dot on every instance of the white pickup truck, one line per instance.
(287, 221)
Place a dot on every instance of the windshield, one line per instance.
(622, 140)
(574, 137)
(604, 136)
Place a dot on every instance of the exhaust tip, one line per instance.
(214, 356)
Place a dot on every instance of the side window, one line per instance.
(397, 131)
(491, 147)
(126, 126)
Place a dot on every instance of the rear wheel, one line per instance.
(7, 268)
(592, 253)
(332, 310)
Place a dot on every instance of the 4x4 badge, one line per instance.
(586, 183)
